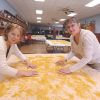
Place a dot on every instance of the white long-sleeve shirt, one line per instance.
(4, 68)
(88, 50)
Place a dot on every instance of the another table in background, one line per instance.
(60, 37)
(41, 38)
(58, 45)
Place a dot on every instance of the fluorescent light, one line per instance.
(38, 21)
(39, 11)
(62, 19)
(93, 3)
(39, 18)
(72, 14)
(56, 22)
(40, 0)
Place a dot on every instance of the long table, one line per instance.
(39, 37)
(60, 37)
(58, 45)
(83, 84)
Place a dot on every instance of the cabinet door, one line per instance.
(91, 27)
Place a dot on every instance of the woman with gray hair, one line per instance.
(84, 45)
(12, 35)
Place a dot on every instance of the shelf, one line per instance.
(8, 17)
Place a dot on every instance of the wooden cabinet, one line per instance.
(91, 27)
(83, 26)
(6, 18)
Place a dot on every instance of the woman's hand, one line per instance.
(30, 65)
(27, 73)
(61, 62)
(65, 71)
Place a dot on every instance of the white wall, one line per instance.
(97, 24)
(5, 6)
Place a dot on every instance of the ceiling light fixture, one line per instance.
(39, 18)
(39, 11)
(56, 22)
(72, 14)
(40, 0)
(38, 21)
(62, 19)
(93, 3)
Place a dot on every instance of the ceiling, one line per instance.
(52, 9)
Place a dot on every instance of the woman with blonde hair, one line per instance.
(8, 46)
